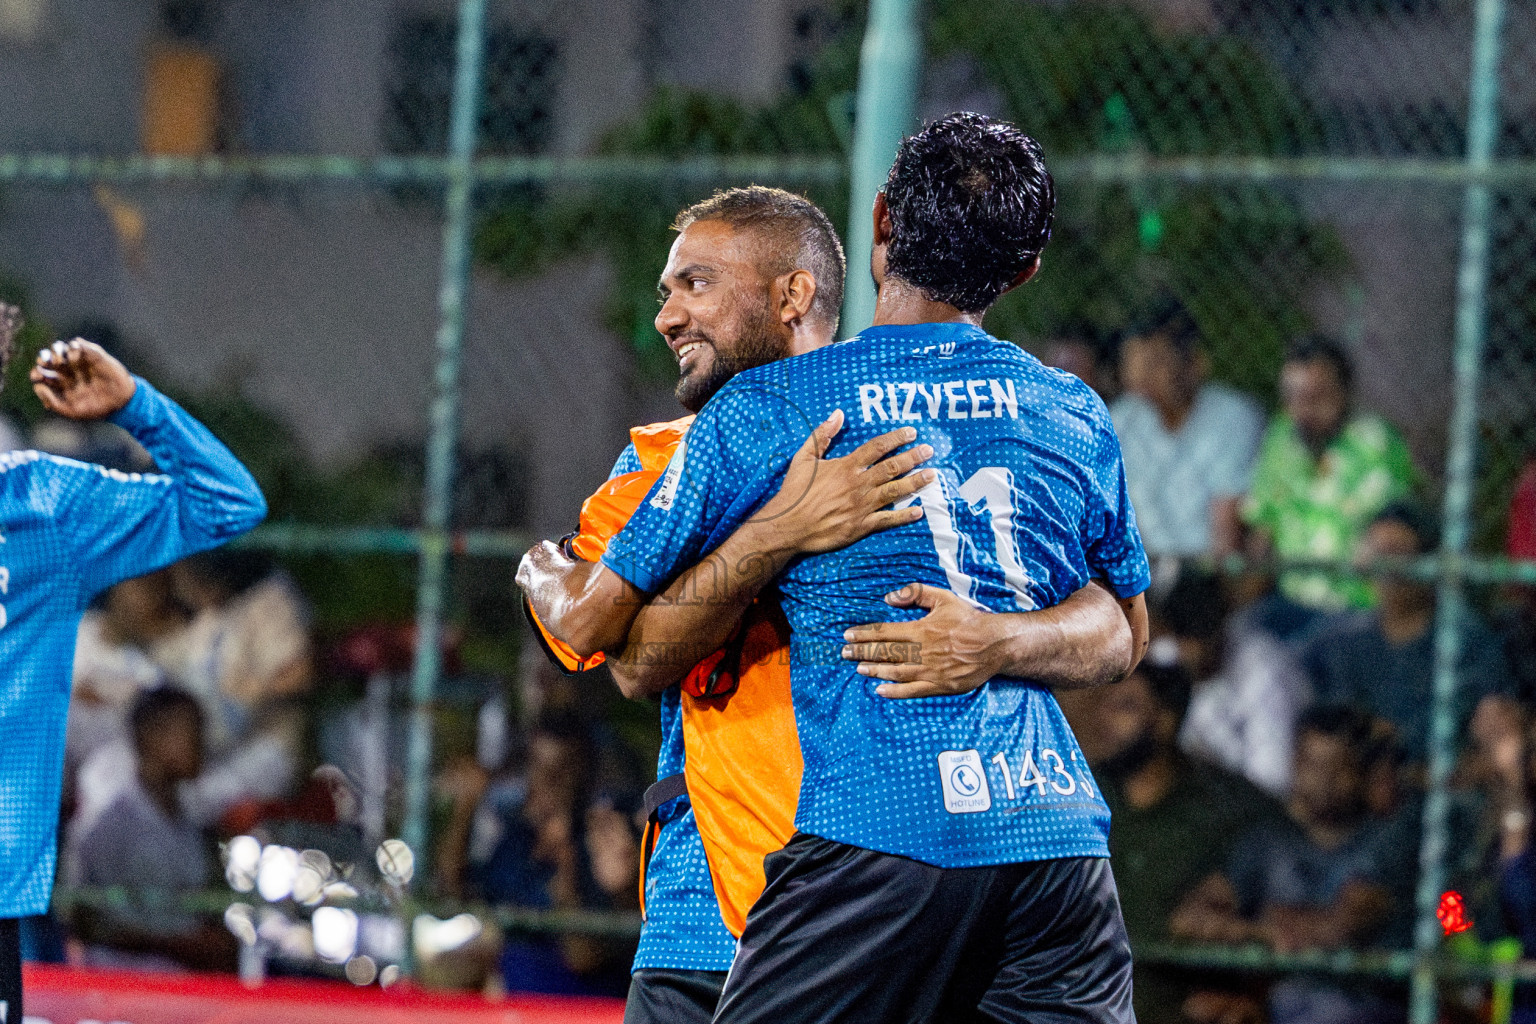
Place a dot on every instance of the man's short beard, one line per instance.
(757, 344)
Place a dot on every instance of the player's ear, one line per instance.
(797, 294)
(882, 214)
(1024, 275)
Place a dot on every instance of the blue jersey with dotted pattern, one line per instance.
(68, 531)
(683, 930)
(1029, 506)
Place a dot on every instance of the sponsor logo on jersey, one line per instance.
(666, 494)
(964, 780)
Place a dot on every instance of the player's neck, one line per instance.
(900, 303)
(807, 338)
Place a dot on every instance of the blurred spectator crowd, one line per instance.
(1265, 765)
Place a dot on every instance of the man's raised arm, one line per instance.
(122, 524)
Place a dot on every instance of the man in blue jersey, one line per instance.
(952, 858)
(783, 240)
(683, 279)
(68, 531)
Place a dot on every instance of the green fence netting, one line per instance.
(1365, 168)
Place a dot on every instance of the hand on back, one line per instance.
(79, 380)
(827, 504)
(953, 649)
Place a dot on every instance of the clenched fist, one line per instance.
(78, 379)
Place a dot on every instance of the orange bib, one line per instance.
(743, 765)
(604, 514)
(742, 749)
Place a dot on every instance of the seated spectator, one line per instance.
(246, 657)
(1502, 739)
(143, 841)
(1384, 660)
(1189, 443)
(115, 659)
(544, 842)
(1324, 471)
(1249, 689)
(1176, 818)
(1320, 878)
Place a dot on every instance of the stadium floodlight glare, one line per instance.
(335, 934)
(276, 873)
(240, 919)
(433, 936)
(309, 882)
(396, 862)
(242, 855)
(361, 970)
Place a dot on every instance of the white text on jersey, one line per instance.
(903, 401)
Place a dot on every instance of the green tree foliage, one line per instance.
(629, 223)
(1090, 79)
(1083, 78)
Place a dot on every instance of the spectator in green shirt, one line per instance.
(1324, 471)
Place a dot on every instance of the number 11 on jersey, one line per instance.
(989, 491)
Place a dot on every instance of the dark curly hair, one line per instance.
(971, 204)
(10, 328)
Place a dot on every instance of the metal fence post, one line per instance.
(1471, 330)
(889, 64)
(432, 583)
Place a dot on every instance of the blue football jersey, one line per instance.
(68, 531)
(683, 930)
(1030, 505)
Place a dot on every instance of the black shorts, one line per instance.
(658, 996)
(10, 970)
(849, 935)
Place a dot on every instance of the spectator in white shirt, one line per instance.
(247, 658)
(1189, 443)
(115, 659)
(1249, 690)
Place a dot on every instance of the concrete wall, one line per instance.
(323, 306)
(323, 302)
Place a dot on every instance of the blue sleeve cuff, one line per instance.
(139, 407)
(632, 572)
(1129, 585)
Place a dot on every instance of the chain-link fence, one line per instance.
(277, 214)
